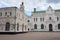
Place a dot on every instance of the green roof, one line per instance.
(39, 12)
(57, 10)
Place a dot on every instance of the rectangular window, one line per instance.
(0, 13)
(40, 19)
(5, 13)
(10, 13)
(25, 27)
(34, 19)
(43, 19)
(17, 26)
(57, 18)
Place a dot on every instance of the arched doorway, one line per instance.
(7, 27)
(50, 27)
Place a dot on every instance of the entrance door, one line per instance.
(50, 27)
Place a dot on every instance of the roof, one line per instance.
(58, 10)
(8, 7)
(39, 12)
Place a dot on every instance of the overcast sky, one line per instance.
(30, 4)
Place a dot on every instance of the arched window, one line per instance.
(7, 27)
(42, 26)
(58, 26)
(17, 26)
(35, 26)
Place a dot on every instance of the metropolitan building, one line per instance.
(13, 19)
(46, 20)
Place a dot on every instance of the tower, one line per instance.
(22, 6)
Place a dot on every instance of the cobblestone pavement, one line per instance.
(32, 36)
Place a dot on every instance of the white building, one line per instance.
(47, 20)
(13, 19)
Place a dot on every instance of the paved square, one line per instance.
(32, 36)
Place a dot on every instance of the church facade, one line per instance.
(47, 20)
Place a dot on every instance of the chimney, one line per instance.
(34, 9)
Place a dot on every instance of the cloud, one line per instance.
(6, 3)
(41, 4)
(53, 1)
(31, 4)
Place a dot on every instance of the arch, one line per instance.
(35, 26)
(42, 26)
(7, 27)
(58, 26)
(50, 27)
